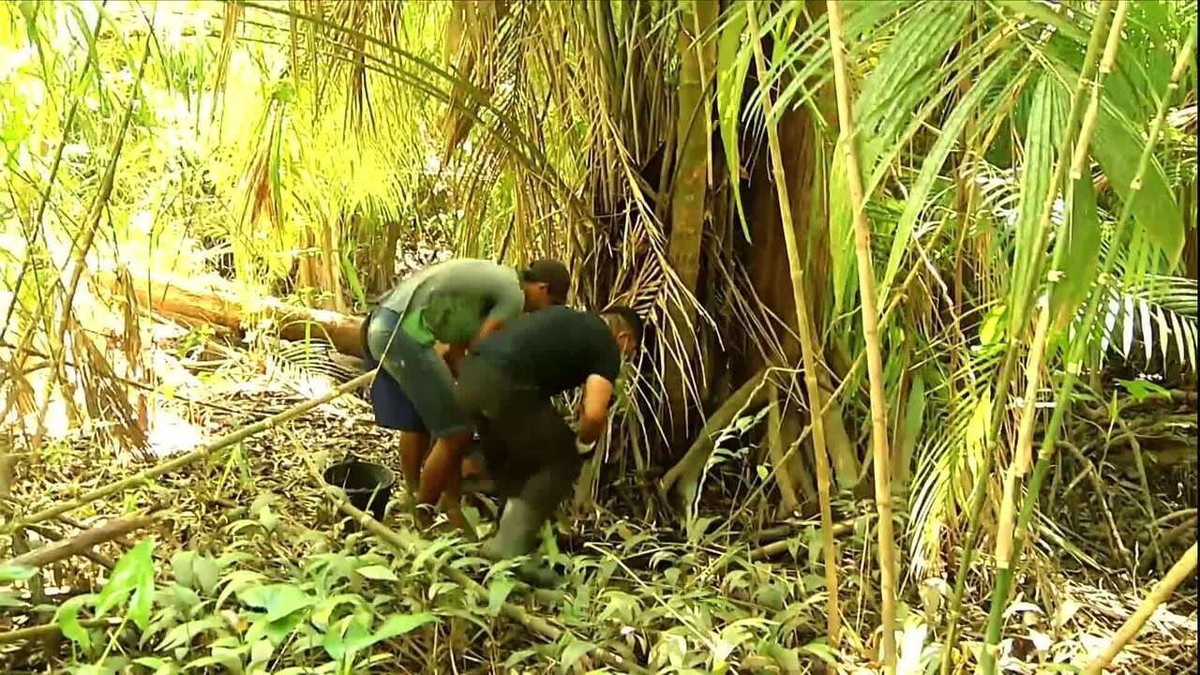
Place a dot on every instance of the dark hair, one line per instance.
(630, 318)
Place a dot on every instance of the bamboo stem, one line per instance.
(1180, 571)
(870, 323)
(52, 629)
(809, 351)
(1023, 454)
(82, 542)
(1076, 350)
(184, 460)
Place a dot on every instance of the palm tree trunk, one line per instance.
(690, 188)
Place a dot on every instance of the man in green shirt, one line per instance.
(455, 303)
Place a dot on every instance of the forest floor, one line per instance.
(661, 594)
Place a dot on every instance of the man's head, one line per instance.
(546, 282)
(626, 327)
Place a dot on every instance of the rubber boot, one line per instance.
(516, 534)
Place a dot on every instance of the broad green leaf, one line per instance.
(1154, 207)
(378, 573)
(1082, 258)
(278, 600)
(16, 572)
(9, 600)
(822, 651)
(261, 651)
(914, 416)
(1141, 389)
(498, 591)
(67, 619)
(1046, 14)
(1036, 174)
(908, 71)
(181, 567)
(400, 624)
(340, 643)
(133, 573)
(278, 630)
(160, 666)
(183, 634)
(733, 63)
(575, 650)
(322, 613)
(207, 572)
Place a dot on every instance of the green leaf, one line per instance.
(278, 600)
(1036, 174)
(134, 573)
(979, 102)
(498, 591)
(1118, 150)
(183, 634)
(1082, 257)
(1141, 389)
(322, 614)
(67, 618)
(8, 599)
(16, 572)
(400, 624)
(160, 666)
(279, 630)
(822, 651)
(575, 650)
(378, 573)
(908, 71)
(733, 63)
(181, 568)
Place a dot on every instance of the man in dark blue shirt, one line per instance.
(506, 382)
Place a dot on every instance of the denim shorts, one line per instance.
(413, 391)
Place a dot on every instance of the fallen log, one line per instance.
(219, 304)
(84, 541)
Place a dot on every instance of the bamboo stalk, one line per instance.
(184, 460)
(1023, 454)
(810, 353)
(51, 630)
(55, 536)
(1077, 347)
(82, 542)
(1180, 571)
(1008, 366)
(870, 323)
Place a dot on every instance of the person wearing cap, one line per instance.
(454, 304)
(506, 383)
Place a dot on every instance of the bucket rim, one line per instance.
(387, 473)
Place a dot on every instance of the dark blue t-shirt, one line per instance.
(554, 349)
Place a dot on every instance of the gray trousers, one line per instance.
(529, 450)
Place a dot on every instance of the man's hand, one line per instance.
(597, 392)
(453, 355)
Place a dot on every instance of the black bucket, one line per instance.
(368, 485)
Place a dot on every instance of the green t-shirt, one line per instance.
(448, 302)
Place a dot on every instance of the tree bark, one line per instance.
(218, 304)
(84, 541)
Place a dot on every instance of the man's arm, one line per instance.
(597, 393)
